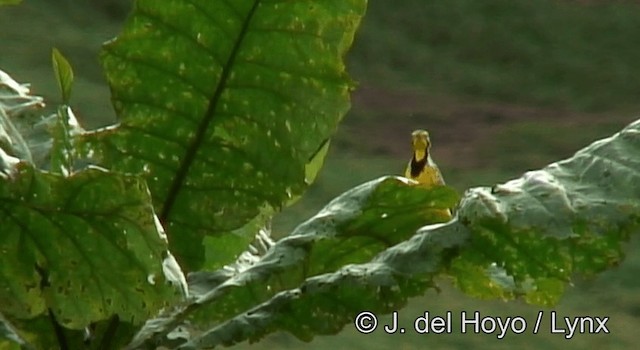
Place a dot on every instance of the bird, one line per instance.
(421, 167)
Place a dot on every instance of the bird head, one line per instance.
(420, 140)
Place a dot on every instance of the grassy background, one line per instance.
(504, 86)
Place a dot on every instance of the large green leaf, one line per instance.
(222, 104)
(571, 216)
(525, 238)
(353, 228)
(323, 304)
(85, 246)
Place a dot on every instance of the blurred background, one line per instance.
(504, 86)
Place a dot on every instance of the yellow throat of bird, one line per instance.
(421, 144)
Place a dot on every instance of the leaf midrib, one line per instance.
(190, 155)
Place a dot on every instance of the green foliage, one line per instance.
(222, 105)
(62, 152)
(77, 246)
(526, 238)
(353, 228)
(64, 74)
(541, 229)
(72, 246)
(226, 114)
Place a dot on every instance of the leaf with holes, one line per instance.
(222, 104)
(352, 228)
(85, 246)
(533, 233)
